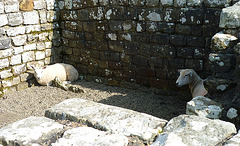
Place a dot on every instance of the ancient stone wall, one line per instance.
(140, 41)
(28, 32)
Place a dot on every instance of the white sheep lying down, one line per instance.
(45, 75)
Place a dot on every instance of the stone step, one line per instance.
(110, 118)
(31, 131)
(87, 136)
(189, 130)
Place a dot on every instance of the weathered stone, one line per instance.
(30, 17)
(5, 74)
(234, 141)
(26, 5)
(230, 16)
(163, 51)
(4, 20)
(33, 28)
(194, 130)
(30, 47)
(19, 69)
(28, 56)
(232, 113)
(78, 136)
(1, 7)
(6, 53)
(31, 131)
(43, 16)
(194, 64)
(167, 2)
(14, 31)
(221, 41)
(15, 19)
(217, 3)
(193, 3)
(16, 59)
(4, 63)
(180, 3)
(40, 55)
(178, 40)
(11, 82)
(221, 62)
(39, 4)
(114, 119)
(50, 4)
(19, 40)
(22, 86)
(11, 6)
(204, 107)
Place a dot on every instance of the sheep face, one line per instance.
(38, 72)
(185, 77)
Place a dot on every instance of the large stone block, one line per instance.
(39, 4)
(4, 20)
(221, 41)
(15, 19)
(28, 56)
(105, 117)
(30, 17)
(4, 43)
(6, 74)
(26, 5)
(180, 3)
(90, 136)
(18, 70)
(188, 130)
(11, 82)
(166, 3)
(230, 17)
(217, 3)
(14, 31)
(31, 131)
(11, 6)
(4, 63)
(204, 107)
(6, 53)
(16, 59)
(19, 40)
(1, 7)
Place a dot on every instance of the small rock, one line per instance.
(221, 41)
(86, 136)
(204, 107)
(232, 113)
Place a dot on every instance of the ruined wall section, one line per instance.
(28, 32)
(140, 41)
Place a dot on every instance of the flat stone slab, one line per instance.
(30, 131)
(234, 141)
(87, 136)
(191, 130)
(110, 118)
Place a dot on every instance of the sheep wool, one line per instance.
(45, 75)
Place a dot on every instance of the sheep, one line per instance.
(190, 77)
(45, 75)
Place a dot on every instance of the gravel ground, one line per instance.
(35, 100)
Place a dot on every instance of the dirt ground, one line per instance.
(35, 100)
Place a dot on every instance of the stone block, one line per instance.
(114, 13)
(185, 52)
(90, 136)
(6, 53)
(194, 3)
(30, 17)
(6, 74)
(18, 70)
(16, 59)
(212, 17)
(28, 56)
(11, 82)
(131, 48)
(14, 31)
(217, 3)
(221, 41)
(11, 6)
(51, 16)
(137, 2)
(194, 64)
(151, 27)
(50, 4)
(40, 55)
(4, 20)
(162, 39)
(26, 5)
(166, 27)
(163, 51)
(4, 43)
(4, 63)
(196, 41)
(178, 40)
(39, 4)
(17, 50)
(22, 86)
(230, 17)
(33, 28)
(19, 40)
(1, 7)
(15, 19)
(221, 62)
(31, 131)
(171, 15)
(204, 107)
(153, 14)
(43, 16)
(116, 46)
(113, 119)
(115, 25)
(192, 16)
(183, 29)
(166, 3)
(180, 3)
(194, 130)
(29, 47)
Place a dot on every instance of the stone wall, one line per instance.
(28, 32)
(140, 41)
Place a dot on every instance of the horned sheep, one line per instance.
(190, 77)
(45, 75)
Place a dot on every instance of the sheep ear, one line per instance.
(179, 70)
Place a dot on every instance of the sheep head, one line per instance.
(38, 71)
